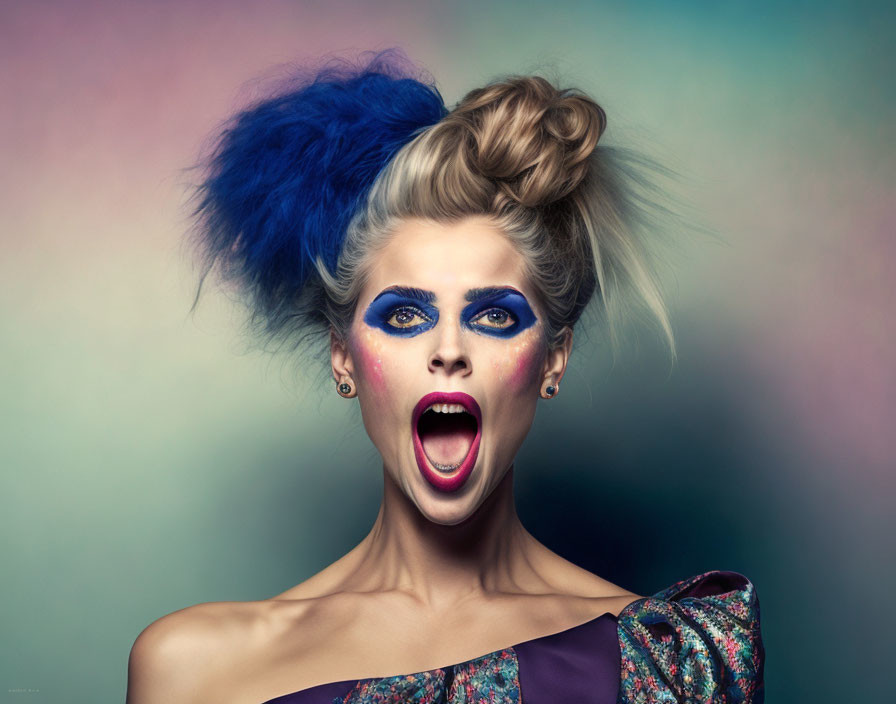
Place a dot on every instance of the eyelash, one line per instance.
(406, 309)
(420, 314)
(484, 313)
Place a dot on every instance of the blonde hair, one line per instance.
(525, 154)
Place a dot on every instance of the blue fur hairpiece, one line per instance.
(288, 173)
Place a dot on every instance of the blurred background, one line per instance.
(150, 462)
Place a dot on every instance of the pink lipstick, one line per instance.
(442, 423)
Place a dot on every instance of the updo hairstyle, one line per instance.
(519, 151)
(523, 153)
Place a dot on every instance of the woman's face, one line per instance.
(447, 353)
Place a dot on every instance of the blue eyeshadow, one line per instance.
(396, 299)
(506, 299)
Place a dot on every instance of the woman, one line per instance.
(448, 256)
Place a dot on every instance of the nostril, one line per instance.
(451, 366)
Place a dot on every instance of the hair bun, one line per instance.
(531, 138)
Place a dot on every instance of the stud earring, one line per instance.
(550, 390)
(344, 389)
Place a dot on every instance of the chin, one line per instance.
(450, 511)
(453, 508)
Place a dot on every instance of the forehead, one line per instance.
(446, 258)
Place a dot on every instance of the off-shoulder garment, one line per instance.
(698, 640)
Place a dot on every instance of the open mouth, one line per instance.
(446, 432)
(446, 438)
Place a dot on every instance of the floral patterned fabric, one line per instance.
(697, 641)
(491, 678)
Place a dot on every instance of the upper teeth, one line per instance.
(447, 408)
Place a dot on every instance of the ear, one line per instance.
(558, 357)
(340, 358)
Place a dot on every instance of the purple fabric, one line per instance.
(578, 665)
(699, 636)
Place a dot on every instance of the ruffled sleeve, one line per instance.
(696, 641)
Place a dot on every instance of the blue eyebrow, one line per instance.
(481, 299)
(408, 292)
(475, 294)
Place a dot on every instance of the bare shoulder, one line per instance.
(585, 592)
(609, 598)
(177, 657)
(235, 651)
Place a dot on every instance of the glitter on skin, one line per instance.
(450, 260)
(523, 361)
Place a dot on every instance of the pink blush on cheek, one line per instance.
(370, 361)
(522, 375)
(520, 366)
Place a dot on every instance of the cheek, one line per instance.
(520, 366)
(368, 354)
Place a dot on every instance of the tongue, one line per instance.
(447, 441)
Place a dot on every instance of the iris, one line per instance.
(500, 312)
(402, 311)
(406, 312)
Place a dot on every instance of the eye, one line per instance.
(496, 318)
(406, 317)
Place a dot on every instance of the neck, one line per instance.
(438, 564)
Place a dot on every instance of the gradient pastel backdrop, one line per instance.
(149, 464)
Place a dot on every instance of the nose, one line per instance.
(449, 354)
